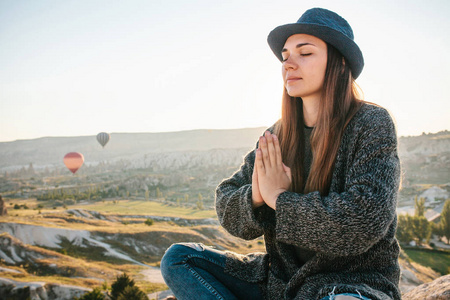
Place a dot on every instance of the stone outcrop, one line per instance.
(3, 209)
(438, 289)
(16, 290)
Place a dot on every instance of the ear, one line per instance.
(343, 61)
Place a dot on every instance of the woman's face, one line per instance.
(304, 64)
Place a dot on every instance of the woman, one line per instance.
(320, 186)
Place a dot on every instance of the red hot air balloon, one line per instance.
(73, 161)
(103, 138)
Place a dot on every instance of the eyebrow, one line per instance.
(298, 46)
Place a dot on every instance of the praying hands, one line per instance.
(270, 176)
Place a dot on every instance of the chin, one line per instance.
(294, 93)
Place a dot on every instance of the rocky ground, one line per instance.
(21, 254)
(438, 289)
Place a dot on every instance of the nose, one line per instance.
(289, 63)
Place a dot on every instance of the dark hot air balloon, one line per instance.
(103, 138)
(73, 161)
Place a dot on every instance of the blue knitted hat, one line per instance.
(327, 26)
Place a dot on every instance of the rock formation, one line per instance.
(438, 289)
(3, 209)
(16, 290)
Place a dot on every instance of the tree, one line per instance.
(445, 220)
(404, 229)
(437, 230)
(158, 193)
(120, 284)
(419, 206)
(95, 294)
(31, 169)
(421, 229)
(132, 292)
(200, 201)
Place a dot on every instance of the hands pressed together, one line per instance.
(270, 176)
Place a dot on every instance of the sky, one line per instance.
(79, 67)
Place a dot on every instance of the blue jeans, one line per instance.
(195, 271)
(356, 296)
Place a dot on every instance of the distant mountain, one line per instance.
(49, 151)
(425, 145)
(424, 158)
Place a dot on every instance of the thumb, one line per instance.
(288, 171)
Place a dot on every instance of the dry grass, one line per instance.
(140, 207)
(25, 277)
(93, 271)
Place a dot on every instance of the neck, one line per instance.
(310, 111)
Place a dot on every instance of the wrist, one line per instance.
(275, 198)
(257, 204)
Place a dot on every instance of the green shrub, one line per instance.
(95, 294)
(132, 292)
(118, 286)
(149, 222)
(105, 285)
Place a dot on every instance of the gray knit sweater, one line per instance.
(351, 230)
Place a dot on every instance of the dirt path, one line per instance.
(440, 244)
(153, 274)
(159, 295)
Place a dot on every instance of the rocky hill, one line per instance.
(59, 255)
(49, 151)
(73, 244)
(438, 289)
(85, 247)
(425, 158)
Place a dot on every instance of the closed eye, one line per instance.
(305, 54)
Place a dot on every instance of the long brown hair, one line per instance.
(339, 102)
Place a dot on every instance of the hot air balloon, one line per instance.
(103, 138)
(73, 161)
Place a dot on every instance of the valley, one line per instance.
(64, 233)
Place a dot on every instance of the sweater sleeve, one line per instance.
(234, 202)
(350, 222)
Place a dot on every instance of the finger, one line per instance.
(264, 151)
(259, 162)
(278, 157)
(255, 168)
(270, 148)
(255, 175)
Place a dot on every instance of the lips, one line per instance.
(292, 79)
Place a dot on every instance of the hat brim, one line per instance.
(348, 48)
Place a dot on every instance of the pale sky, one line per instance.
(78, 67)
